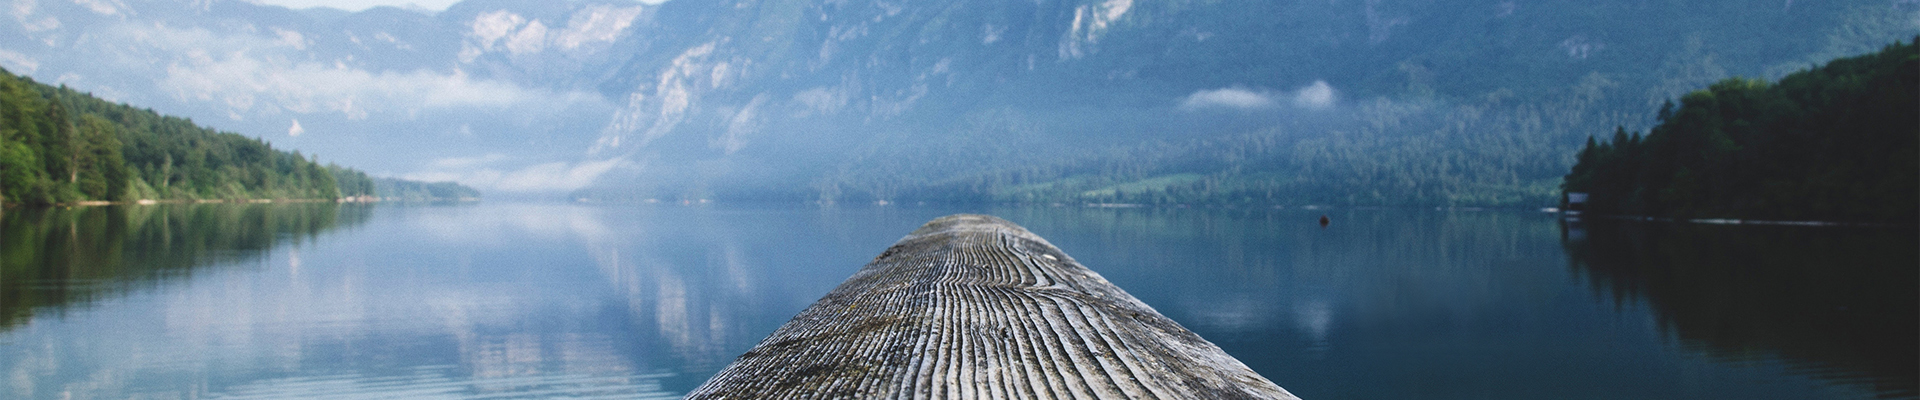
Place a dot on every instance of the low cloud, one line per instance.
(485, 173)
(273, 73)
(246, 84)
(101, 7)
(1230, 97)
(458, 163)
(823, 100)
(1317, 96)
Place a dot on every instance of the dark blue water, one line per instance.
(621, 301)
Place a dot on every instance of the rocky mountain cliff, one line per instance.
(1379, 101)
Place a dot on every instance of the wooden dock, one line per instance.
(973, 306)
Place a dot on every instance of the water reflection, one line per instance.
(1838, 303)
(562, 300)
(1375, 305)
(458, 301)
(1250, 270)
(704, 285)
(1397, 303)
(267, 301)
(52, 258)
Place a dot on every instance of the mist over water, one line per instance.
(566, 300)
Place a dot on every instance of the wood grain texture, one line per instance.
(973, 306)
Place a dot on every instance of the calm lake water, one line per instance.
(498, 300)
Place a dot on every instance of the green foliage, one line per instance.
(28, 135)
(58, 145)
(99, 172)
(1833, 143)
(176, 159)
(352, 183)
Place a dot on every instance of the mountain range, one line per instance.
(1381, 102)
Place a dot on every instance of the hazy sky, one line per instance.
(357, 5)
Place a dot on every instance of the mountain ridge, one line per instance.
(788, 99)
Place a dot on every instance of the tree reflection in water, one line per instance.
(52, 259)
(1840, 302)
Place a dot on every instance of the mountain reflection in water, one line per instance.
(1838, 303)
(506, 300)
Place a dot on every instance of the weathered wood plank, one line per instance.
(973, 306)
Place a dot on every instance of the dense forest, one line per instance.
(1834, 143)
(61, 146)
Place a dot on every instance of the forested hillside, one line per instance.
(58, 145)
(1833, 143)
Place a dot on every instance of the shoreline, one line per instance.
(1739, 221)
(145, 202)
